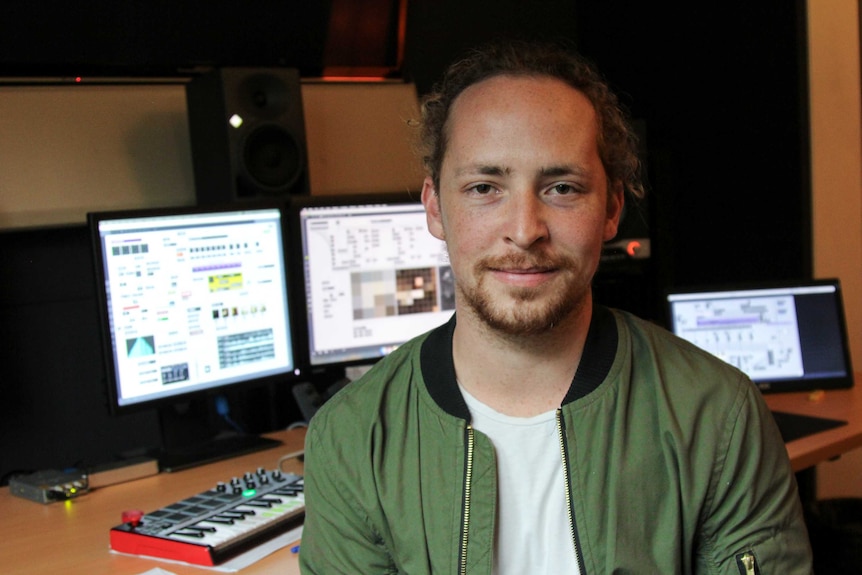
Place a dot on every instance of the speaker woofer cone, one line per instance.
(272, 158)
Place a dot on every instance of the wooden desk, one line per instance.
(845, 404)
(72, 537)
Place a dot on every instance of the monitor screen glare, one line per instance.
(374, 278)
(194, 301)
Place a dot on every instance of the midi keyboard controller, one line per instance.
(216, 525)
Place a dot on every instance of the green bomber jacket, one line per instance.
(673, 465)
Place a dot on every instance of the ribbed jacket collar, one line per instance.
(438, 367)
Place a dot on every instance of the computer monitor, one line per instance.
(787, 335)
(373, 276)
(193, 302)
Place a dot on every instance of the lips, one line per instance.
(530, 270)
(523, 264)
(521, 271)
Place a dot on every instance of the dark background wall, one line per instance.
(722, 90)
(718, 88)
(159, 38)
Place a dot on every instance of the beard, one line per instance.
(530, 310)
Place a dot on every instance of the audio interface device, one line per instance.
(49, 486)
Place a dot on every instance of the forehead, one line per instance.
(509, 112)
(520, 91)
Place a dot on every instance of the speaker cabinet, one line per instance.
(247, 133)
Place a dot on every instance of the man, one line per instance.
(539, 432)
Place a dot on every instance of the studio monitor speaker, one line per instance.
(247, 133)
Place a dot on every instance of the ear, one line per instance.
(433, 215)
(616, 203)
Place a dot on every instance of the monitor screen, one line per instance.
(785, 336)
(192, 300)
(374, 276)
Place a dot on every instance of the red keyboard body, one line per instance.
(216, 525)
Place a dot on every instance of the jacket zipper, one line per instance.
(570, 509)
(468, 479)
(747, 563)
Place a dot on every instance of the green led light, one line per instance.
(249, 493)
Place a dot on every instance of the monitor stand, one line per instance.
(191, 436)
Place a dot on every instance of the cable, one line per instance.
(293, 455)
(223, 409)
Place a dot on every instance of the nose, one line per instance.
(527, 224)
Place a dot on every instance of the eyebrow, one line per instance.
(548, 171)
(484, 170)
(562, 170)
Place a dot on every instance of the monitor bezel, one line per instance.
(287, 377)
(768, 385)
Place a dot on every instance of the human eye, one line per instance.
(481, 189)
(563, 189)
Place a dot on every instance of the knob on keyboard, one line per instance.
(213, 526)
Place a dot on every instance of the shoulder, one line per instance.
(358, 402)
(654, 347)
(384, 400)
(682, 382)
(687, 395)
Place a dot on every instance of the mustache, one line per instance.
(525, 261)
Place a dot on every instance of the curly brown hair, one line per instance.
(617, 142)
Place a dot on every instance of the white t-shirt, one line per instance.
(533, 532)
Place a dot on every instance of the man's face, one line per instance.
(523, 202)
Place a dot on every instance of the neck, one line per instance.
(520, 376)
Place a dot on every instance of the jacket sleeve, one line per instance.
(755, 516)
(337, 536)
